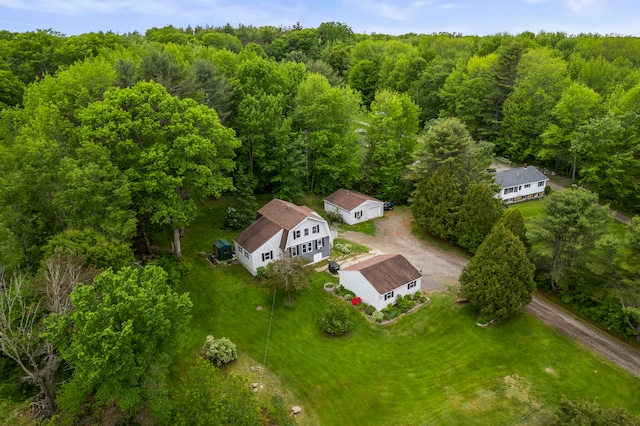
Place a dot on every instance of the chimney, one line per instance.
(524, 166)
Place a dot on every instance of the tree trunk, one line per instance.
(573, 168)
(177, 250)
(145, 236)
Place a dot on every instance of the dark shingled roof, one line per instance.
(348, 199)
(386, 272)
(285, 214)
(519, 176)
(257, 234)
(276, 215)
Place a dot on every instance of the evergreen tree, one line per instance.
(512, 220)
(435, 203)
(479, 212)
(498, 281)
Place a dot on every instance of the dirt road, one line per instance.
(442, 269)
(609, 347)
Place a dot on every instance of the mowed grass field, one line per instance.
(434, 366)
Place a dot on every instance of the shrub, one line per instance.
(335, 320)
(173, 266)
(345, 292)
(377, 316)
(356, 301)
(342, 248)
(335, 218)
(404, 303)
(261, 272)
(367, 309)
(235, 219)
(220, 351)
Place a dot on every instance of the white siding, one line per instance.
(370, 210)
(521, 192)
(356, 282)
(254, 261)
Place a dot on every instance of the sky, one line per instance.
(468, 17)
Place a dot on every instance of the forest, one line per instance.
(110, 143)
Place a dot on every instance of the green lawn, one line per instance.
(432, 367)
(529, 209)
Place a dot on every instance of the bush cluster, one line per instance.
(335, 218)
(403, 305)
(342, 248)
(335, 321)
(236, 219)
(220, 351)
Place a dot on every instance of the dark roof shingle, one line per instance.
(386, 272)
(519, 176)
(257, 234)
(348, 199)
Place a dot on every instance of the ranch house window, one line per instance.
(319, 244)
(246, 253)
(306, 232)
(358, 214)
(388, 295)
(293, 251)
(528, 185)
(315, 229)
(307, 247)
(267, 256)
(296, 234)
(411, 285)
(541, 183)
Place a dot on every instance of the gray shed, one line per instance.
(222, 250)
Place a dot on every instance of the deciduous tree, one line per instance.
(117, 336)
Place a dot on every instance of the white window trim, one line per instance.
(307, 247)
(293, 251)
(319, 244)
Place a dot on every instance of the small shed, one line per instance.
(222, 250)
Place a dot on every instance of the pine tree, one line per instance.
(498, 281)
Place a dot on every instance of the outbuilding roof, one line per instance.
(348, 199)
(519, 176)
(386, 272)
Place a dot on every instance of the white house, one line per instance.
(283, 227)
(379, 280)
(353, 206)
(521, 184)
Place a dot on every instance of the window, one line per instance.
(267, 256)
(306, 232)
(246, 253)
(411, 285)
(527, 185)
(388, 295)
(319, 244)
(315, 229)
(540, 183)
(307, 247)
(358, 214)
(296, 234)
(293, 251)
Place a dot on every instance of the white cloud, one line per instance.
(420, 3)
(384, 10)
(579, 5)
(448, 6)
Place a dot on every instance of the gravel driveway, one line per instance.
(441, 270)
